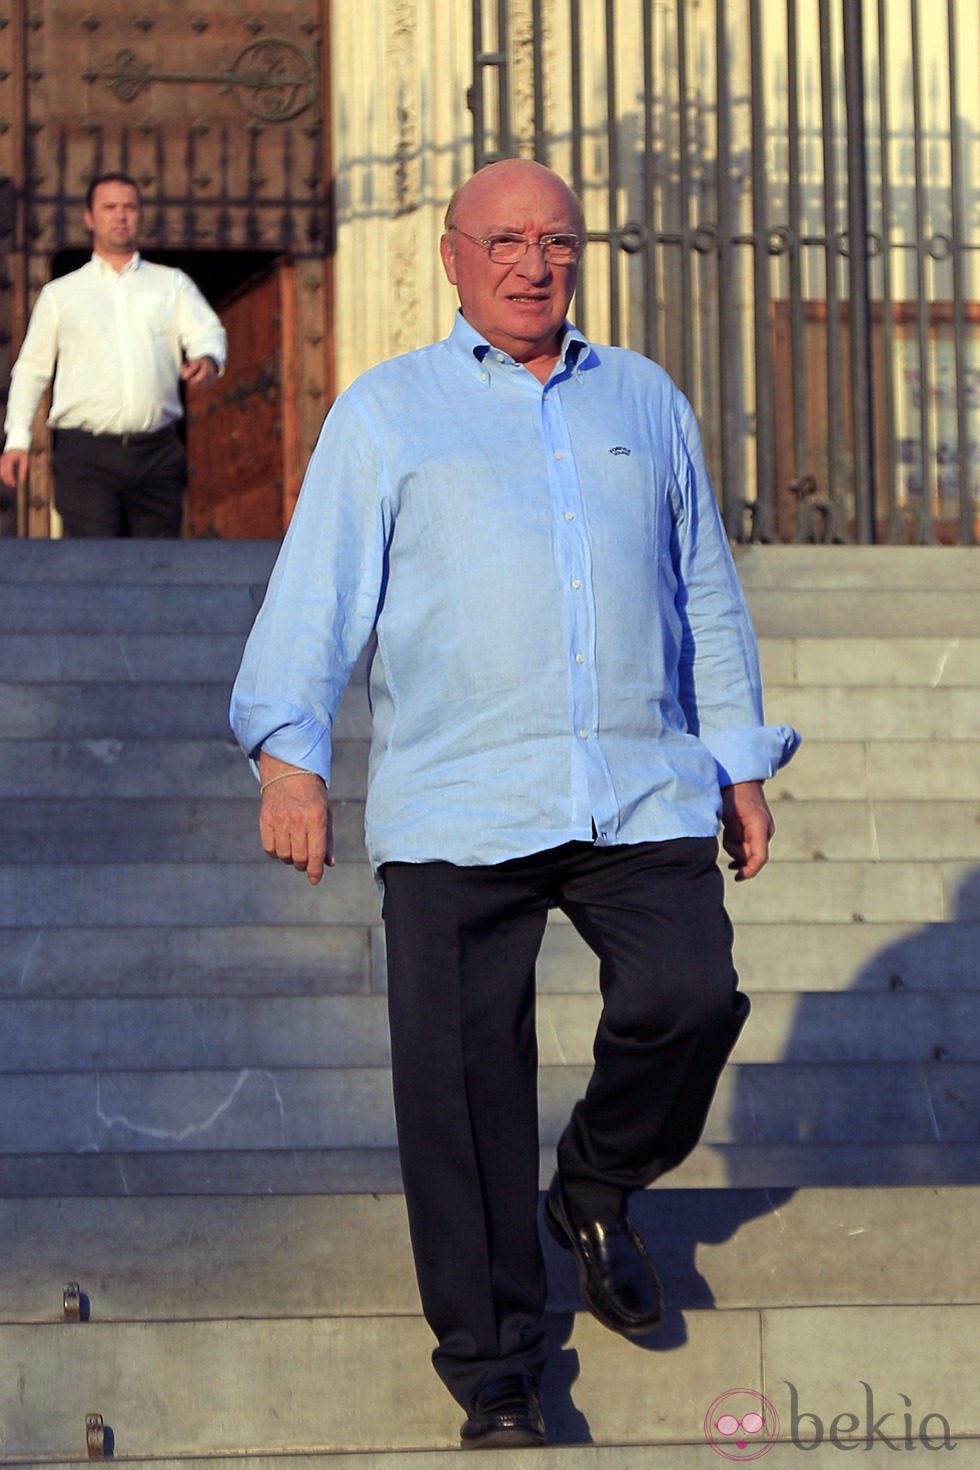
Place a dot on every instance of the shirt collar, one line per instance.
(471, 347)
(104, 268)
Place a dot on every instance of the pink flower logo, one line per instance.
(741, 1424)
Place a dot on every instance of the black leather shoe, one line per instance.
(616, 1276)
(505, 1415)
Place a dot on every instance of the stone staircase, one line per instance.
(195, 1121)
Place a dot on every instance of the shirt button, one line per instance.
(583, 734)
(558, 454)
(576, 583)
(483, 377)
(569, 515)
(580, 658)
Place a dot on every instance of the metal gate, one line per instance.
(730, 154)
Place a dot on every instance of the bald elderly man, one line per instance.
(566, 707)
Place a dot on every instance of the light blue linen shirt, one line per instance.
(563, 649)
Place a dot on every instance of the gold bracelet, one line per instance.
(282, 776)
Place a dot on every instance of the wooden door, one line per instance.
(242, 431)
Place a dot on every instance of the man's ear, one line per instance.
(448, 258)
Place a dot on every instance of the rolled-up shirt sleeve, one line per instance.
(32, 372)
(321, 604)
(198, 326)
(720, 683)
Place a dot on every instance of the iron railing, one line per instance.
(780, 211)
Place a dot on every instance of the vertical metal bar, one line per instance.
(498, 61)
(967, 509)
(612, 176)
(835, 416)
(797, 318)
(765, 489)
(862, 405)
(578, 173)
(649, 186)
(733, 491)
(506, 136)
(542, 151)
(686, 304)
(926, 447)
(895, 528)
(475, 99)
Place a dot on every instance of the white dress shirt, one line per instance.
(114, 342)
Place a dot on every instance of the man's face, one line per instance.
(519, 308)
(114, 219)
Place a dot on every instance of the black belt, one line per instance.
(134, 438)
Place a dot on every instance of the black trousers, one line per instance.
(462, 944)
(119, 485)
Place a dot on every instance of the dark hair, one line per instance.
(114, 176)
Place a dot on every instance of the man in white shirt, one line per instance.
(118, 336)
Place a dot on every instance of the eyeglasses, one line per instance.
(509, 249)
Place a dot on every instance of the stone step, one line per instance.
(120, 658)
(147, 563)
(267, 1032)
(207, 829)
(830, 569)
(832, 770)
(561, 1455)
(120, 607)
(823, 568)
(267, 1172)
(886, 713)
(868, 612)
(348, 1107)
(196, 960)
(895, 663)
(172, 1260)
(930, 663)
(111, 894)
(882, 830)
(316, 1384)
(148, 769)
(348, 959)
(805, 957)
(856, 892)
(134, 830)
(145, 710)
(880, 770)
(186, 710)
(108, 894)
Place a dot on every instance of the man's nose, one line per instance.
(532, 263)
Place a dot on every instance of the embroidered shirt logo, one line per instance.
(620, 449)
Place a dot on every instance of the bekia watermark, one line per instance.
(742, 1424)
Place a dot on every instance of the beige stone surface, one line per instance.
(938, 612)
(695, 1456)
(348, 1255)
(887, 568)
(931, 663)
(926, 1354)
(841, 893)
(876, 712)
(876, 830)
(879, 956)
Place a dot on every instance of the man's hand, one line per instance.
(295, 821)
(13, 466)
(747, 827)
(199, 372)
